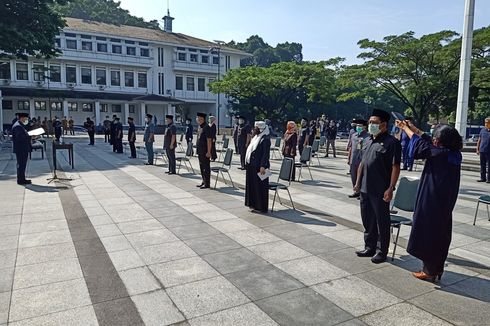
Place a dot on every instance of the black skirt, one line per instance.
(256, 190)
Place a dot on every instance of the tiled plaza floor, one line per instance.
(126, 244)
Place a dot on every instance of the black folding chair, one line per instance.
(304, 161)
(315, 149)
(186, 159)
(224, 146)
(285, 174)
(179, 143)
(485, 199)
(224, 168)
(276, 148)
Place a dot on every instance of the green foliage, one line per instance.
(28, 27)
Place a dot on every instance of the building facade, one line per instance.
(128, 71)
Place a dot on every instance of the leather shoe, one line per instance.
(200, 185)
(24, 182)
(379, 258)
(205, 187)
(355, 195)
(481, 180)
(365, 253)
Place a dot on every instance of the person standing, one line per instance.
(118, 132)
(235, 136)
(212, 126)
(483, 149)
(149, 138)
(437, 193)
(331, 136)
(90, 127)
(64, 124)
(169, 143)
(57, 129)
(21, 147)
(113, 133)
(405, 140)
(106, 124)
(243, 139)
(376, 180)
(204, 145)
(71, 126)
(303, 135)
(131, 137)
(189, 134)
(312, 132)
(257, 161)
(354, 157)
(290, 142)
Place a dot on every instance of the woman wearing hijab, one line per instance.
(257, 161)
(290, 141)
(436, 196)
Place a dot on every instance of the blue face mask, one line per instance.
(373, 129)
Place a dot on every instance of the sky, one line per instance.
(326, 28)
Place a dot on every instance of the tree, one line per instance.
(28, 27)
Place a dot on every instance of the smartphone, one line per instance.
(398, 116)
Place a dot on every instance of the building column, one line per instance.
(97, 113)
(32, 109)
(143, 113)
(171, 110)
(1, 112)
(65, 108)
(126, 113)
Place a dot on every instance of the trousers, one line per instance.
(171, 160)
(205, 166)
(375, 214)
(21, 165)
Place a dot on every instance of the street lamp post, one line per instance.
(218, 102)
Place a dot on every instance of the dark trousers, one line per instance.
(149, 151)
(331, 142)
(205, 166)
(119, 146)
(243, 153)
(132, 147)
(91, 136)
(21, 165)
(485, 166)
(189, 143)
(107, 136)
(354, 166)
(375, 214)
(171, 160)
(407, 160)
(72, 131)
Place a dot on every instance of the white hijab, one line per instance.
(264, 131)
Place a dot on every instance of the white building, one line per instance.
(128, 71)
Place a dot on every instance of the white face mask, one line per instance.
(373, 129)
(25, 122)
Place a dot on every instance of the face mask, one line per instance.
(373, 129)
(25, 122)
(241, 121)
(359, 129)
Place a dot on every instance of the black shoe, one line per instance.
(205, 187)
(481, 180)
(365, 253)
(379, 258)
(168, 172)
(355, 195)
(199, 186)
(148, 163)
(24, 182)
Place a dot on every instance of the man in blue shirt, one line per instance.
(149, 138)
(483, 149)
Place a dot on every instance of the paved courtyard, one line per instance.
(126, 244)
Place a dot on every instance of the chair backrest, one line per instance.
(406, 193)
(316, 145)
(228, 157)
(286, 172)
(277, 144)
(323, 140)
(306, 154)
(226, 142)
(188, 151)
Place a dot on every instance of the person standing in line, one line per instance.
(257, 161)
(436, 197)
(483, 149)
(90, 127)
(376, 180)
(169, 143)
(204, 145)
(57, 129)
(64, 124)
(49, 123)
(189, 134)
(212, 126)
(119, 134)
(235, 136)
(354, 157)
(405, 140)
(352, 131)
(71, 126)
(290, 142)
(107, 129)
(243, 139)
(303, 136)
(331, 136)
(21, 146)
(312, 133)
(149, 138)
(131, 137)
(113, 133)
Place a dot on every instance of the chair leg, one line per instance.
(310, 172)
(279, 197)
(274, 200)
(194, 172)
(299, 176)
(476, 212)
(318, 158)
(233, 185)
(219, 157)
(216, 182)
(488, 213)
(396, 242)
(178, 169)
(290, 198)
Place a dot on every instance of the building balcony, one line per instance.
(197, 67)
(196, 96)
(107, 58)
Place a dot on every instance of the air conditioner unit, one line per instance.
(70, 85)
(5, 81)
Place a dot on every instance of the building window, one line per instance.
(193, 57)
(215, 60)
(190, 84)
(71, 44)
(87, 107)
(161, 83)
(55, 73)
(115, 78)
(129, 79)
(99, 38)
(100, 76)
(201, 84)
(130, 50)
(145, 52)
(116, 108)
(132, 108)
(86, 46)
(143, 44)
(38, 71)
(115, 40)
(7, 105)
(86, 37)
(180, 49)
(70, 35)
(160, 57)
(181, 56)
(205, 59)
(117, 49)
(5, 70)
(40, 105)
(57, 42)
(101, 47)
(142, 81)
(87, 75)
(72, 106)
(56, 106)
(71, 74)
(129, 42)
(22, 72)
(104, 108)
(23, 105)
(179, 83)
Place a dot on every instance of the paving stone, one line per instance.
(100, 219)
(194, 231)
(206, 296)
(157, 309)
(183, 271)
(355, 296)
(477, 287)
(402, 314)
(89, 247)
(47, 272)
(232, 225)
(116, 243)
(43, 226)
(10, 219)
(318, 244)
(83, 316)
(44, 238)
(6, 279)
(352, 322)
(252, 237)
(350, 237)
(302, 307)
(107, 230)
(234, 260)
(276, 252)
(125, 259)
(9, 230)
(165, 252)
(263, 281)
(212, 244)
(139, 280)
(214, 216)
(312, 270)
(149, 238)
(45, 216)
(260, 220)
(289, 231)
(4, 307)
(179, 220)
(48, 298)
(9, 242)
(7, 258)
(246, 315)
(118, 312)
(139, 226)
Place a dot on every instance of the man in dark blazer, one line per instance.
(22, 146)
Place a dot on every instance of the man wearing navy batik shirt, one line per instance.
(483, 149)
